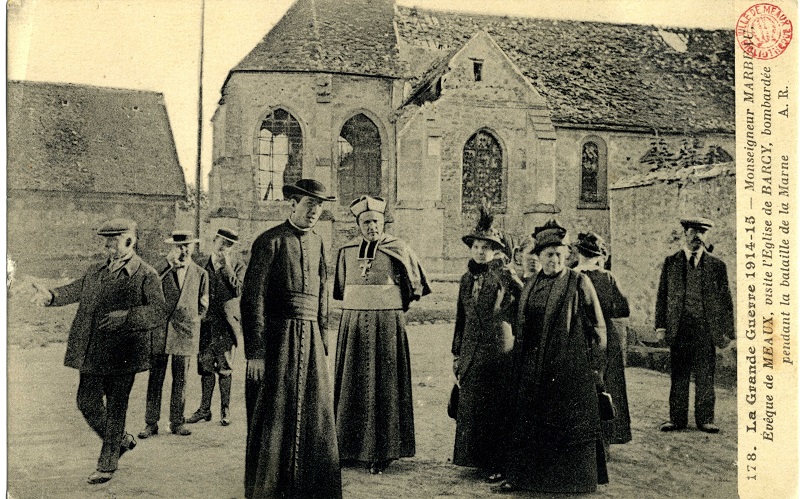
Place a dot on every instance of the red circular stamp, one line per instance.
(764, 31)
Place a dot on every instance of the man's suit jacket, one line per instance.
(224, 285)
(717, 301)
(136, 289)
(185, 308)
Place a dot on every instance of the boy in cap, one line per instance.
(121, 307)
(218, 339)
(694, 313)
(291, 434)
(185, 287)
(377, 276)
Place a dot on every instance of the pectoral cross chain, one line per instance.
(365, 267)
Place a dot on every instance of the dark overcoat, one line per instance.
(555, 426)
(482, 341)
(224, 284)
(614, 306)
(717, 301)
(291, 444)
(185, 307)
(136, 289)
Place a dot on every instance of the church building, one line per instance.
(438, 112)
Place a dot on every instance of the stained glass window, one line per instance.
(483, 172)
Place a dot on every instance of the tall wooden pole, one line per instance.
(199, 169)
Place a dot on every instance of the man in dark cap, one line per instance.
(185, 287)
(694, 313)
(218, 339)
(291, 434)
(121, 306)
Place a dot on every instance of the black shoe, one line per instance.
(670, 426)
(128, 443)
(100, 477)
(505, 488)
(494, 477)
(708, 428)
(225, 420)
(378, 467)
(199, 415)
(179, 429)
(149, 431)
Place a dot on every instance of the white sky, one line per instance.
(154, 44)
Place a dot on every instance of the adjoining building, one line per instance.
(78, 155)
(439, 112)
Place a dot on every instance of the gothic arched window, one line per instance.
(359, 146)
(280, 154)
(593, 172)
(483, 172)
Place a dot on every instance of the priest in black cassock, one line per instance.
(291, 439)
(377, 277)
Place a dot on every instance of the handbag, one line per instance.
(605, 405)
(452, 404)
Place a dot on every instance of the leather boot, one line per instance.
(204, 412)
(225, 398)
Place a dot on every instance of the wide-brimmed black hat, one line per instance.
(485, 231)
(308, 187)
(590, 244)
(550, 234)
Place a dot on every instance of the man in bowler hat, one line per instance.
(694, 314)
(218, 339)
(185, 287)
(120, 307)
(291, 435)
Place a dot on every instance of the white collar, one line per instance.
(698, 253)
(296, 227)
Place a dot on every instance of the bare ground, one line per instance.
(51, 450)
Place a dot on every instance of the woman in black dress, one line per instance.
(481, 349)
(555, 438)
(614, 305)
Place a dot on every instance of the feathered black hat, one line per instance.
(484, 230)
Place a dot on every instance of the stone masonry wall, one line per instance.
(645, 228)
(53, 234)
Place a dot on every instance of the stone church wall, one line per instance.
(645, 227)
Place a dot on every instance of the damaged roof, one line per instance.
(592, 73)
(81, 138)
(334, 36)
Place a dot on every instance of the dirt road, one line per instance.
(51, 451)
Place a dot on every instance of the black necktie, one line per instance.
(693, 260)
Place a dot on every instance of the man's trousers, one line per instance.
(106, 418)
(155, 384)
(692, 352)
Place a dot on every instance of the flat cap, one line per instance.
(697, 223)
(116, 226)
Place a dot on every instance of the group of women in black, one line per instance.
(530, 359)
